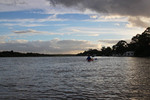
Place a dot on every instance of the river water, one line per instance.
(73, 78)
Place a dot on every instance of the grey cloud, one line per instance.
(11, 2)
(25, 31)
(132, 8)
(35, 32)
(119, 7)
(52, 47)
(109, 42)
(67, 3)
(136, 21)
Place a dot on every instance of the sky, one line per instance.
(69, 26)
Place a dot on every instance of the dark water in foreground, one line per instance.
(72, 78)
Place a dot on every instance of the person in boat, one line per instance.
(89, 58)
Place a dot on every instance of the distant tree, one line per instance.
(120, 47)
(91, 52)
(11, 51)
(141, 43)
(106, 51)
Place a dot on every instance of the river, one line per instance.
(73, 78)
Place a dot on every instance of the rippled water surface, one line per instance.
(72, 78)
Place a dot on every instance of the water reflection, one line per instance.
(139, 78)
(108, 78)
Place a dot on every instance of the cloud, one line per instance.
(18, 5)
(11, 2)
(111, 42)
(31, 20)
(107, 18)
(117, 24)
(108, 10)
(116, 7)
(138, 22)
(128, 8)
(54, 46)
(22, 5)
(94, 16)
(3, 38)
(85, 31)
(82, 32)
(26, 31)
(35, 32)
(100, 31)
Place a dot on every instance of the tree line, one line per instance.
(140, 45)
(19, 54)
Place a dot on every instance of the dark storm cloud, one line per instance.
(115, 7)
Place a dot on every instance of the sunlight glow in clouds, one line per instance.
(54, 46)
(127, 8)
(34, 25)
